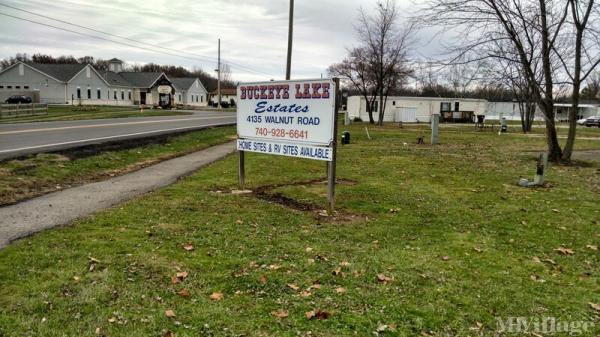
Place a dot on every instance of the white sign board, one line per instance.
(163, 89)
(298, 113)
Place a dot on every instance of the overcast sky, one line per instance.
(253, 32)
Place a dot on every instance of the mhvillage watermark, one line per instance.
(542, 325)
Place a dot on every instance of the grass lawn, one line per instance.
(429, 241)
(46, 172)
(68, 113)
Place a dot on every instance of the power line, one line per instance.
(212, 59)
(197, 56)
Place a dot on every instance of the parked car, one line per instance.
(592, 121)
(18, 99)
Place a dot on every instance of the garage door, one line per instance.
(406, 115)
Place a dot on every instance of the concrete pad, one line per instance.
(62, 207)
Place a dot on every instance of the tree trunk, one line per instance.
(568, 150)
(554, 151)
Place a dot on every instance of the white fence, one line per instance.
(19, 110)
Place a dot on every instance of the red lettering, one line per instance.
(243, 95)
(286, 89)
(270, 92)
(325, 93)
(298, 91)
(263, 94)
(256, 92)
(315, 90)
(306, 91)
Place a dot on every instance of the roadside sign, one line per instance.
(289, 118)
(294, 112)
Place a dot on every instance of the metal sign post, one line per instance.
(332, 167)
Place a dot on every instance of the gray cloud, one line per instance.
(253, 32)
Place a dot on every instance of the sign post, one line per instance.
(289, 118)
(332, 168)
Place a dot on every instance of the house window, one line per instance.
(375, 104)
(129, 95)
(393, 102)
(89, 93)
(122, 94)
(202, 98)
(445, 106)
(98, 94)
(1, 87)
(25, 87)
(78, 93)
(179, 97)
(115, 94)
(456, 106)
(18, 87)
(9, 87)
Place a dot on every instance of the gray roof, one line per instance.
(140, 80)
(183, 83)
(115, 79)
(115, 60)
(62, 72)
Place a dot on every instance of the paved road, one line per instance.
(26, 138)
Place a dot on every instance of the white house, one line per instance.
(419, 109)
(189, 91)
(83, 84)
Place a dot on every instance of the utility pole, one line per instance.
(288, 68)
(219, 77)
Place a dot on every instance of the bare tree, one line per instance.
(584, 23)
(386, 44)
(592, 88)
(356, 70)
(547, 39)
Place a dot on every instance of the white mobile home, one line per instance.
(419, 109)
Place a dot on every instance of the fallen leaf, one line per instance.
(592, 247)
(112, 320)
(565, 251)
(337, 271)
(305, 293)
(536, 259)
(340, 290)
(188, 246)
(594, 306)
(445, 258)
(344, 263)
(383, 278)
(216, 296)
(274, 266)
(76, 278)
(184, 292)
(239, 222)
(477, 249)
(174, 279)
(293, 286)
(263, 279)
(555, 210)
(170, 313)
(169, 333)
(280, 313)
(308, 249)
(182, 275)
(315, 286)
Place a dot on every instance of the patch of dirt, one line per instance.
(266, 193)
